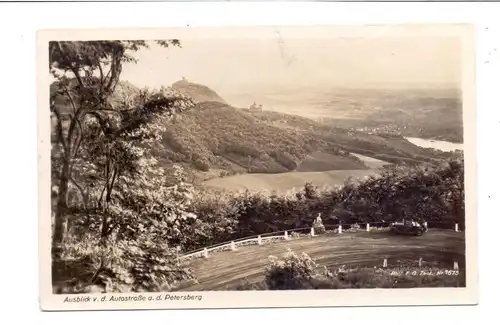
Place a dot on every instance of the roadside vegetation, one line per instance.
(295, 271)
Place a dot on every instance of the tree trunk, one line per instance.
(105, 226)
(60, 214)
(105, 231)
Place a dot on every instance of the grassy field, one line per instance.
(285, 181)
(226, 270)
(371, 162)
(320, 168)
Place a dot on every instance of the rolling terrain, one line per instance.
(215, 141)
(419, 112)
(225, 270)
(218, 136)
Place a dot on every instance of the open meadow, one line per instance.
(320, 169)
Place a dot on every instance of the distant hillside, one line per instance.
(390, 148)
(214, 139)
(217, 136)
(198, 92)
(432, 113)
(426, 113)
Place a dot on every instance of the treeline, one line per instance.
(429, 193)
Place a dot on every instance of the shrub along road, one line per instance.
(225, 270)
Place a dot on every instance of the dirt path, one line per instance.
(226, 269)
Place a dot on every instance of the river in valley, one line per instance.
(436, 144)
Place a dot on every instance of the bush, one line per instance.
(293, 272)
(354, 228)
(202, 165)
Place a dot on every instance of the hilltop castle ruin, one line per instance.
(255, 107)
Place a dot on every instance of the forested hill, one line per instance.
(218, 136)
(221, 140)
(384, 146)
(214, 139)
(198, 92)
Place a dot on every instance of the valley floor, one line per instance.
(284, 182)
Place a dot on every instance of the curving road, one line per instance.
(224, 270)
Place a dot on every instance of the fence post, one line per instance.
(385, 263)
(312, 232)
(455, 266)
(233, 246)
(340, 229)
(259, 240)
(456, 227)
(286, 235)
(420, 262)
(205, 252)
(367, 227)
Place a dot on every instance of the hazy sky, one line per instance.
(233, 65)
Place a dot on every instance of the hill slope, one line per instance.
(199, 93)
(217, 136)
(214, 139)
(220, 140)
(391, 148)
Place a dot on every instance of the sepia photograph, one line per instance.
(181, 164)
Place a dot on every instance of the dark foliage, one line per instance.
(428, 193)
